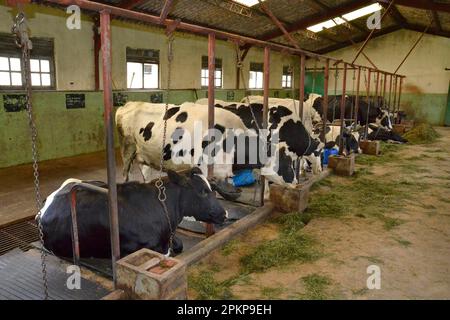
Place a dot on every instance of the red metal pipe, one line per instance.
(399, 96)
(97, 45)
(344, 88)
(390, 92)
(73, 213)
(325, 98)
(152, 19)
(211, 85)
(372, 32)
(301, 96)
(358, 84)
(211, 102)
(384, 88)
(105, 27)
(395, 93)
(368, 105)
(266, 84)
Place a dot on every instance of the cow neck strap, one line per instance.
(159, 184)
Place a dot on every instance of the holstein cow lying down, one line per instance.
(142, 221)
(350, 139)
(375, 114)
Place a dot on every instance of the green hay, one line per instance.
(271, 293)
(293, 222)
(316, 287)
(229, 248)
(421, 134)
(289, 247)
(207, 288)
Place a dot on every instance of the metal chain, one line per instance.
(162, 197)
(22, 40)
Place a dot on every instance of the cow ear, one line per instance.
(177, 178)
(196, 170)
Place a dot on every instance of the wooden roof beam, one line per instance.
(422, 4)
(394, 13)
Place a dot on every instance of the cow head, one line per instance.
(198, 199)
(384, 118)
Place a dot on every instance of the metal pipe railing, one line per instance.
(73, 213)
(192, 28)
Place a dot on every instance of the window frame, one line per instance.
(287, 77)
(43, 49)
(143, 61)
(52, 86)
(258, 69)
(205, 68)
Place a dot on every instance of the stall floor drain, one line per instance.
(19, 235)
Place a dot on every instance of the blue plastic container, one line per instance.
(327, 153)
(243, 178)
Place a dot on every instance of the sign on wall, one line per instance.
(75, 101)
(14, 102)
(119, 99)
(156, 97)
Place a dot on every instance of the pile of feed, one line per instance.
(421, 133)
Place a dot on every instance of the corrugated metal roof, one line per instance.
(214, 14)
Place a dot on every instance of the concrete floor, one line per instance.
(17, 197)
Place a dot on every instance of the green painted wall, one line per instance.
(425, 88)
(67, 132)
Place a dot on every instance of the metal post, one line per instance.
(358, 83)
(384, 89)
(211, 102)
(390, 92)
(301, 96)
(395, 93)
(325, 98)
(265, 104)
(105, 35)
(377, 84)
(399, 96)
(368, 105)
(344, 86)
(211, 84)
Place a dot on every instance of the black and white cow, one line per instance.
(140, 126)
(375, 132)
(350, 140)
(372, 113)
(294, 139)
(142, 221)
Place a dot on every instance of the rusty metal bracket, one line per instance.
(172, 26)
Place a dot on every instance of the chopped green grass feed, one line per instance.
(316, 287)
(287, 248)
(421, 134)
(271, 293)
(207, 288)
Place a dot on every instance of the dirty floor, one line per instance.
(394, 216)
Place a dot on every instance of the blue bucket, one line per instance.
(243, 178)
(327, 153)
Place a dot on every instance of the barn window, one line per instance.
(286, 79)
(142, 69)
(41, 64)
(256, 76)
(217, 74)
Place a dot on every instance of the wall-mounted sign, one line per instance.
(75, 101)
(156, 97)
(119, 99)
(276, 94)
(230, 95)
(14, 102)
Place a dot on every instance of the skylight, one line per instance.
(348, 16)
(248, 3)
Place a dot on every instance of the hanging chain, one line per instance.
(162, 197)
(22, 40)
